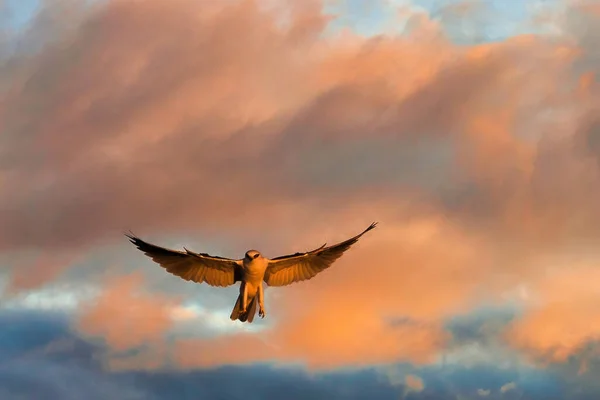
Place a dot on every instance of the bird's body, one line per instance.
(252, 271)
(254, 267)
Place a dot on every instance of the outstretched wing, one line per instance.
(197, 267)
(285, 270)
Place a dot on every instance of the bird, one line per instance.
(251, 271)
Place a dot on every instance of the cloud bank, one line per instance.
(248, 124)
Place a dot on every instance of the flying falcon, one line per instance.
(251, 271)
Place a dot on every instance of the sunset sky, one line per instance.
(468, 129)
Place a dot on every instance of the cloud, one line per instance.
(120, 131)
(256, 127)
(507, 387)
(398, 328)
(39, 353)
(125, 317)
(130, 109)
(41, 269)
(111, 120)
(560, 321)
(414, 383)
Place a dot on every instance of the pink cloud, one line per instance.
(122, 122)
(125, 316)
(562, 317)
(185, 118)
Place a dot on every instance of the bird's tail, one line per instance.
(235, 313)
(250, 310)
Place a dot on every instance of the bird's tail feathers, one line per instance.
(235, 313)
(250, 310)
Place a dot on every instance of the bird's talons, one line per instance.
(261, 312)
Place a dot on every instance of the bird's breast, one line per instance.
(254, 270)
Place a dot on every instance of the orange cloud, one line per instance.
(563, 316)
(123, 122)
(126, 317)
(384, 290)
(333, 348)
(414, 383)
(235, 120)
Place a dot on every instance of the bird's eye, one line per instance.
(256, 255)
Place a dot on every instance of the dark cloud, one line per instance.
(41, 358)
(480, 326)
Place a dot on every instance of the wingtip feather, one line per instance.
(130, 234)
(372, 226)
(133, 239)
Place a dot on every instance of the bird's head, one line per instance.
(252, 254)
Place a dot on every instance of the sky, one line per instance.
(467, 129)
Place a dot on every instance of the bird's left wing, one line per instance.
(197, 267)
(286, 270)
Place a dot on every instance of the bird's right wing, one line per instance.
(286, 270)
(197, 267)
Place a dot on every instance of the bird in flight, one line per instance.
(251, 270)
